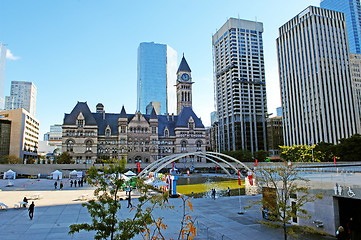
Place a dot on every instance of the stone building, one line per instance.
(136, 137)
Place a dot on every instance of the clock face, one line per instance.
(185, 77)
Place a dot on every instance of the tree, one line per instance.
(349, 149)
(106, 208)
(241, 155)
(286, 183)
(324, 151)
(260, 155)
(298, 153)
(64, 158)
(10, 159)
(30, 160)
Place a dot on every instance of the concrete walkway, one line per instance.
(217, 219)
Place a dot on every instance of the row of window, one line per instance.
(80, 133)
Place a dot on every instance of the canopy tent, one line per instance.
(57, 175)
(125, 178)
(10, 174)
(75, 174)
(130, 173)
(158, 183)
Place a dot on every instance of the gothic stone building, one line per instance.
(135, 137)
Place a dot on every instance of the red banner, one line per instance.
(216, 166)
(138, 165)
(239, 179)
(256, 162)
(334, 160)
(173, 167)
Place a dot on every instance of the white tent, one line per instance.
(130, 173)
(10, 174)
(57, 175)
(75, 174)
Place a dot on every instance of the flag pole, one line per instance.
(239, 192)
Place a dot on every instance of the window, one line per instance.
(154, 130)
(80, 123)
(166, 133)
(88, 145)
(122, 129)
(69, 146)
(107, 133)
(183, 146)
(199, 146)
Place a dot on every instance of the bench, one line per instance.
(20, 204)
(3, 206)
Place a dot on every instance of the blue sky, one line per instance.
(86, 50)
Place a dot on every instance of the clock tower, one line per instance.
(184, 86)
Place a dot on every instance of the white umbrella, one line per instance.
(159, 183)
(149, 181)
(130, 173)
(125, 178)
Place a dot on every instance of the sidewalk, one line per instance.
(219, 219)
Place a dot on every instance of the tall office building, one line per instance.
(355, 65)
(2, 74)
(240, 86)
(315, 79)
(352, 11)
(156, 80)
(22, 95)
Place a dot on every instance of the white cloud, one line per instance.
(10, 56)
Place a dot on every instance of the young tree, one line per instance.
(106, 208)
(285, 182)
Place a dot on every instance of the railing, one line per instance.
(206, 233)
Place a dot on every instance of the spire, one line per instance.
(153, 115)
(123, 114)
(183, 66)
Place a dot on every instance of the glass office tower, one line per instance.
(157, 66)
(352, 11)
(2, 74)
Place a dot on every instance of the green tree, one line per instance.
(64, 158)
(324, 151)
(260, 155)
(30, 160)
(286, 184)
(241, 155)
(105, 210)
(349, 149)
(298, 153)
(10, 159)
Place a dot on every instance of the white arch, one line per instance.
(163, 162)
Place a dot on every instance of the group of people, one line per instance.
(79, 182)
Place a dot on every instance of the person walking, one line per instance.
(129, 198)
(351, 229)
(55, 185)
(75, 183)
(71, 183)
(31, 210)
(229, 192)
(61, 185)
(214, 194)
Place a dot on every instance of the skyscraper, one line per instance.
(240, 87)
(315, 80)
(2, 74)
(157, 67)
(352, 11)
(355, 65)
(22, 95)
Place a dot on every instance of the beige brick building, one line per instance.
(24, 134)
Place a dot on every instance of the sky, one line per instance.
(86, 50)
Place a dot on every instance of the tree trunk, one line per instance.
(284, 231)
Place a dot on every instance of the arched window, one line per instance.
(183, 146)
(69, 146)
(88, 145)
(199, 146)
(107, 132)
(166, 133)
